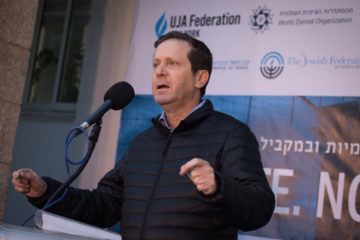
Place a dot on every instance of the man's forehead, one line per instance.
(172, 46)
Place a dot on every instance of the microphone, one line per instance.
(116, 97)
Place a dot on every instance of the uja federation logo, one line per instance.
(272, 64)
(160, 26)
(261, 19)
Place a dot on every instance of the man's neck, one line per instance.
(174, 117)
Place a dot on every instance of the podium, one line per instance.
(12, 232)
(52, 226)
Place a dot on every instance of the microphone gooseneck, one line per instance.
(117, 97)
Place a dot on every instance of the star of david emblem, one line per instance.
(261, 19)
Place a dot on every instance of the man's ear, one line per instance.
(201, 78)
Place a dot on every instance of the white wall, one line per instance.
(103, 68)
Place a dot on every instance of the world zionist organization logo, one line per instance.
(271, 65)
(260, 19)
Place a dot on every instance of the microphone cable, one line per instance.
(68, 162)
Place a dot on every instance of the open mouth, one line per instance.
(162, 86)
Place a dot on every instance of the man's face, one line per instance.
(173, 83)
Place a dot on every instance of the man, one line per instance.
(196, 174)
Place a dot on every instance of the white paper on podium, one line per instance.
(52, 222)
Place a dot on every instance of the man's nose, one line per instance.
(160, 70)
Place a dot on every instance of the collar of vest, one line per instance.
(188, 122)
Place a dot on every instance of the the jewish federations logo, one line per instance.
(272, 64)
(261, 19)
(160, 26)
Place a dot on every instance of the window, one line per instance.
(58, 51)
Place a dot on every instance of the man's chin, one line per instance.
(162, 100)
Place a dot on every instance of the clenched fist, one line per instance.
(27, 182)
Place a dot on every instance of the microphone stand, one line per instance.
(93, 138)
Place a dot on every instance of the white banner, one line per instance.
(288, 69)
(273, 48)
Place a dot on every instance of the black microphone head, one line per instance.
(120, 94)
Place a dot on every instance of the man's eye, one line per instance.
(155, 65)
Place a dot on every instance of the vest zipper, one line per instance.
(142, 233)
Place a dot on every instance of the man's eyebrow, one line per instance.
(166, 58)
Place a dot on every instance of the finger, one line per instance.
(201, 187)
(206, 188)
(191, 165)
(204, 182)
(187, 167)
(16, 180)
(200, 180)
(25, 186)
(20, 172)
(203, 171)
(20, 182)
(22, 190)
(16, 174)
(28, 175)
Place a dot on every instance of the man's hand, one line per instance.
(27, 182)
(201, 174)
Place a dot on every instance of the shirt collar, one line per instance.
(162, 117)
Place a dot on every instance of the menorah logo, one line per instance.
(272, 64)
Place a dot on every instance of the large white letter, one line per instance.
(281, 190)
(325, 184)
(352, 199)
